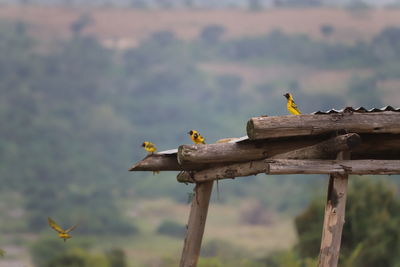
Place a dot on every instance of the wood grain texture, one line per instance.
(293, 166)
(239, 152)
(321, 150)
(162, 162)
(196, 225)
(300, 125)
(334, 217)
(373, 146)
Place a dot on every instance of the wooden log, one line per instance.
(293, 166)
(241, 152)
(325, 149)
(196, 225)
(334, 217)
(162, 162)
(373, 146)
(377, 146)
(300, 125)
(322, 150)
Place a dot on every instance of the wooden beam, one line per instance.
(196, 225)
(162, 162)
(322, 150)
(240, 152)
(293, 166)
(373, 146)
(377, 146)
(300, 125)
(334, 217)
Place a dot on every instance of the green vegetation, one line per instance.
(74, 115)
(51, 252)
(370, 235)
(173, 229)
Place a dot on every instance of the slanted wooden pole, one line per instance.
(334, 217)
(196, 224)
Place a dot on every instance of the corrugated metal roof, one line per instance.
(359, 110)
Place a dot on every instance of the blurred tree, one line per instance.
(44, 250)
(116, 257)
(255, 5)
(81, 23)
(171, 228)
(212, 34)
(386, 45)
(77, 257)
(369, 235)
(163, 38)
(327, 30)
(364, 92)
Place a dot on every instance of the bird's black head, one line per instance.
(286, 95)
(144, 144)
(190, 133)
(195, 135)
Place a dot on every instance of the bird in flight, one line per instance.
(64, 234)
(196, 137)
(149, 147)
(291, 105)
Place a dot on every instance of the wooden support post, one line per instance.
(334, 217)
(196, 224)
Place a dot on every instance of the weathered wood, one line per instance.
(196, 225)
(377, 146)
(321, 150)
(325, 149)
(334, 217)
(293, 166)
(373, 146)
(239, 152)
(300, 125)
(162, 162)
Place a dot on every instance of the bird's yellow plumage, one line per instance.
(196, 137)
(61, 232)
(291, 105)
(149, 147)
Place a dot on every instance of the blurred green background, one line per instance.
(83, 85)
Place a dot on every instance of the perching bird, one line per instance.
(149, 147)
(196, 137)
(291, 105)
(61, 232)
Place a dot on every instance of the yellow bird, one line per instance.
(196, 137)
(291, 105)
(149, 147)
(61, 232)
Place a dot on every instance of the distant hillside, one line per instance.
(123, 28)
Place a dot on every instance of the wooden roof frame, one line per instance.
(338, 143)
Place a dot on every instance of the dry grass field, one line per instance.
(124, 27)
(224, 222)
